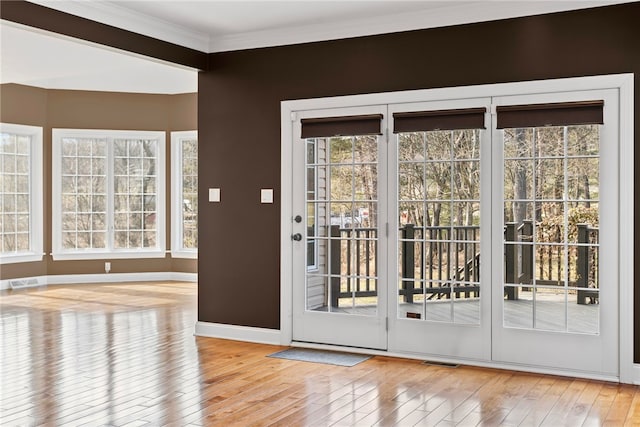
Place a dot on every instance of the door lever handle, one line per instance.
(297, 237)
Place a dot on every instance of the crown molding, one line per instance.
(121, 17)
(455, 14)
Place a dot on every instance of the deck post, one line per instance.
(582, 267)
(335, 265)
(408, 263)
(510, 257)
(525, 232)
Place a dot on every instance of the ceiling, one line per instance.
(46, 60)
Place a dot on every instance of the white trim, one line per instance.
(105, 254)
(58, 253)
(626, 217)
(611, 81)
(628, 372)
(177, 221)
(238, 333)
(635, 375)
(128, 19)
(454, 13)
(79, 279)
(36, 194)
(286, 224)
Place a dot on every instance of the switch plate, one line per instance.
(214, 194)
(266, 195)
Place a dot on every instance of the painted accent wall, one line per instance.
(96, 110)
(239, 124)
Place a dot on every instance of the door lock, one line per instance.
(297, 237)
(298, 219)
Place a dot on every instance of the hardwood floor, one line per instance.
(125, 354)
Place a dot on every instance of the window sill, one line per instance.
(18, 258)
(137, 254)
(184, 254)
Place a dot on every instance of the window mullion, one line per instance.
(110, 164)
(180, 210)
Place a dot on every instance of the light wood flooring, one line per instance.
(125, 354)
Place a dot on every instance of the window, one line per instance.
(21, 188)
(184, 210)
(108, 194)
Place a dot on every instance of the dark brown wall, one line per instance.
(239, 122)
(96, 110)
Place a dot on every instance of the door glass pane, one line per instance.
(551, 214)
(439, 217)
(342, 224)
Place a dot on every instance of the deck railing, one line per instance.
(521, 259)
(441, 261)
(437, 261)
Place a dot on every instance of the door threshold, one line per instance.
(443, 361)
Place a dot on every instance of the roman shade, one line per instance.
(555, 114)
(342, 126)
(422, 121)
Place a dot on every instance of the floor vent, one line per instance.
(23, 283)
(443, 364)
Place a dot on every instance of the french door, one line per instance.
(555, 301)
(440, 178)
(481, 229)
(339, 225)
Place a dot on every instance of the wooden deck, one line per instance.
(549, 313)
(125, 355)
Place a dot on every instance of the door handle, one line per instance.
(297, 237)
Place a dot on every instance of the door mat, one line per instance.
(320, 356)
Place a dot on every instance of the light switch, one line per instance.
(214, 194)
(266, 195)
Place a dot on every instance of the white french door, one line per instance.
(339, 227)
(556, 189)
(440, 181)
(478, 229)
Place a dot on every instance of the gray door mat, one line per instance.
(320, 356)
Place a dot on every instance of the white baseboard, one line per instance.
(238, 333)
(73, 279)
(636, 374)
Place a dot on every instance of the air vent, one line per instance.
(443, 364)
(23, 283)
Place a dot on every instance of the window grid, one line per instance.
(84, 193)
(439, 172)
(108, 194)
(134, 193)
(555, 277)
(189, 150)
(15, 171)
(312, 211)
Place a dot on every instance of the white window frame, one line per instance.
(177, 220)
(36, 195)
(58, 252)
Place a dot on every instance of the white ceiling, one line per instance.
(44, 60)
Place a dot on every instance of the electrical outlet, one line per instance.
(107, 267)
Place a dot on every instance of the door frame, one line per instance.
(628, 371)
